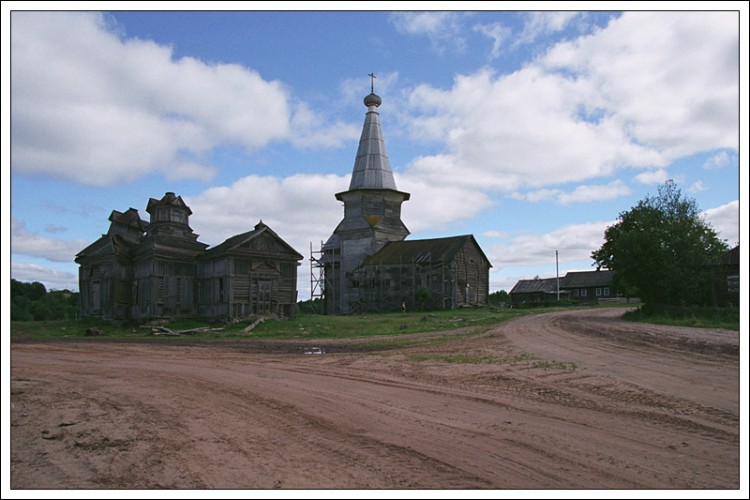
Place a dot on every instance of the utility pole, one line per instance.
(557, 272)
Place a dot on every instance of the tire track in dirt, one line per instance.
(145, 416)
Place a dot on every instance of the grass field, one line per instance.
(319, 327)
(304, 326)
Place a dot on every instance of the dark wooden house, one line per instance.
(160, 270)
(580, 286)
(443, 273)
(536, 290)
(725, 289)
(589, 286)
(164, 262)
(253, 273)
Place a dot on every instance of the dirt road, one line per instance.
(572, 400)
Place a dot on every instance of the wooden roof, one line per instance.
(435, 250)
(545, 285)
(235, 242)
(573, 279)
(585, 279)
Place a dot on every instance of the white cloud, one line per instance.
(581, 194)
(438, 205)
(648, 89)
(310, 134)
(671, 78)
(538, 195)
(719, 160)
(519, 130)
(26, 242)
(609, 191)
(442, 28)
(52, 279)
(726, 221)
(495, 234)
(89, 106)
(543, 23)
(498, 33)
(653, 177)
(697, 187)
(575, 242)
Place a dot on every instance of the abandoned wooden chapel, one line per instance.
(160, 270)
(366, 264)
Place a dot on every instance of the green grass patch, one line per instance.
(697, 317)
(303, 327)
(476, 359)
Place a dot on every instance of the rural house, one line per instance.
(536, 290)
(140, 271)
(250, 273)
(725, 289)
(366, 264)
(581, 286)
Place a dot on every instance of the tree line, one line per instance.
(32, 302)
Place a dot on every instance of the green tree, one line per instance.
(423, 297)
(662, 250)
(32, 302)
(499, 297)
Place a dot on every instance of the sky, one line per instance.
(531, 130)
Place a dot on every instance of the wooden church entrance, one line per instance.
(262, 296)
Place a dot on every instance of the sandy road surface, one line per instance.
(574, 400)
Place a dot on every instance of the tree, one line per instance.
(497, 298)
(422, 297)
(662, 250)
(32, 301)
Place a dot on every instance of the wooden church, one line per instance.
(366, 263)
(140, 271)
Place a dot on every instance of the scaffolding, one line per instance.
(323, 273)
(317, 276)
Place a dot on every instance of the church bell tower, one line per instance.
(372, 215)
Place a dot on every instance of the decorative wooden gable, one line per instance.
(264, 243)
(261, 241)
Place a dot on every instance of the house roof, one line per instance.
(107, 244)
(732, 257)
(169, 198)
(433, 250)
(573, 279)
(585, 279)
(546, 285)
(129, 218)
(235, 241)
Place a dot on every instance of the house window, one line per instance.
(598, 292)
(606, 291)
(575, 292)
(584, 292)
(733, 283)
